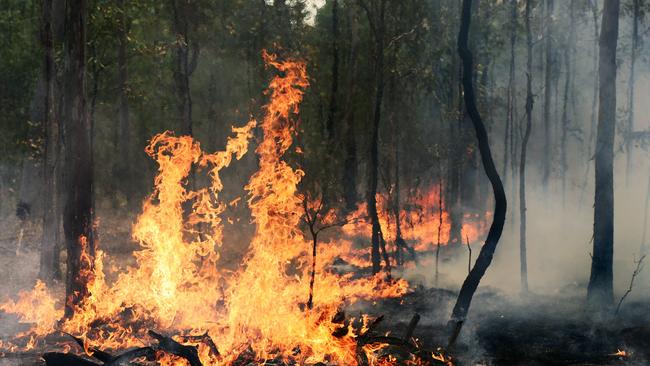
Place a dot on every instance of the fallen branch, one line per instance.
(411, 327)
(637, 270)
(205, 339)
(66, 359)
(125, 358)
(169, 345)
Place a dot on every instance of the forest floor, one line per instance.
(502, 329)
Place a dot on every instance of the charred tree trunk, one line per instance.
(636, 7)
(186, 52)
(124, 139)
(78, 212)
(600, 289)
(548, 81)
(524, 147)
(350, 160)
(377, 235)
(49, 257)
(331, 115)
(487, 251)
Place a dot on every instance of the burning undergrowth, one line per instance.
(256, 314)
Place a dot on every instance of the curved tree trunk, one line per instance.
(487, 251)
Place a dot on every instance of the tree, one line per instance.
(600, 289)
(524, 148)
(636, 7)
(186, 54)
(78, 211)
(124, 167)
(484, 259)
(378, 27)
(49, 256)
(548, 89)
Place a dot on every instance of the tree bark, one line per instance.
(350, 160)
(524, 146)
(186, 52)
(78, 212)
(484, 259)
(331, 115)
(49, 256)
(636, 6)
(124, 140)
(377, 235)
(600, 289)
(548, 79)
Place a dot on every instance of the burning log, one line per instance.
(96, 353)
(125, 358)
(205, 339)
(66, 359)
(169, 345)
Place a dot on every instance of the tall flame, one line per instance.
(176, 284)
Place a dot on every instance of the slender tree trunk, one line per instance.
(124, 140)
(49, 258)
(600, 289)
(565, 103)
(350, 160)
(331, 115)
(631, 89)
(524, 146)
(510, 117)
(484, 259)
(377, 235)
(548, 80)
(594, 102)
(78, 212)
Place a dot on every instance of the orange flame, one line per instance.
(176, 283)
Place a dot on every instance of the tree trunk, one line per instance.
(350, 160)
(186, 52)
(524, 146)
(377, 235)
(124, 140)
(49, 256)
(631, 89)
(331, 115)
(600, 289)
(548, 79)
(78, 212)
(568, 83)
(487, 251)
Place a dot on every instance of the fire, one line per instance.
(177, 285)
(419, 222)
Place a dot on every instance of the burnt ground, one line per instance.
(502, 330)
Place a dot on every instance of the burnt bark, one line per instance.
(78, 211)
(350, 160)
(49, 256)
(378, 29)
(600, 289)
(484, 259)
(123, 172)
(186, 53)
(333, 106)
